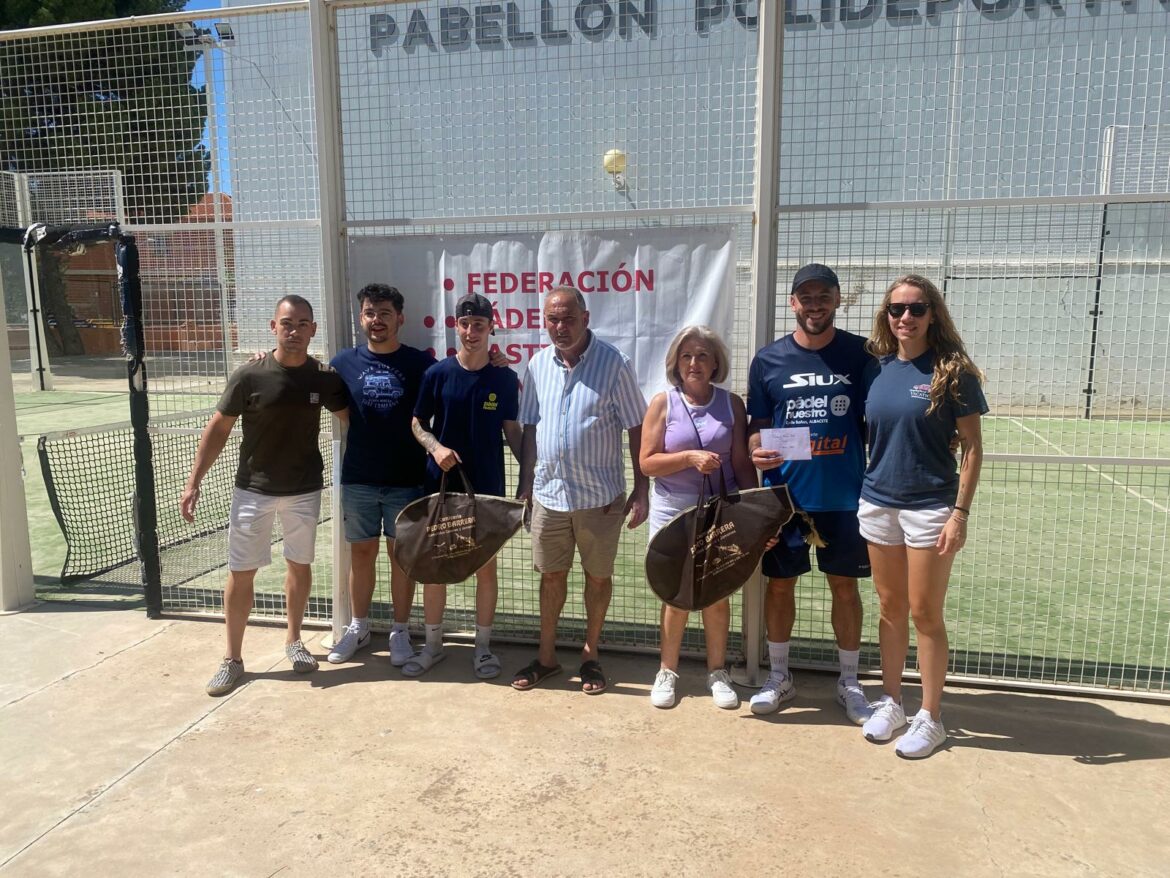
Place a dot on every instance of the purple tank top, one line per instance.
(715, 423)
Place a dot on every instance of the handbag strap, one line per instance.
(467, 486)
(699, 438)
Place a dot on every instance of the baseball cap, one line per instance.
(815, 271)
(474, 305)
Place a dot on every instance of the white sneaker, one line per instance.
(401, 649)
(851, 696)
(924, 736)
(719, 683)
(354, 639)
(887, 718)
(662, 692)
(775, 691)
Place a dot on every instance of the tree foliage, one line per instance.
(37, 13)
(118, 99)
(109, 99)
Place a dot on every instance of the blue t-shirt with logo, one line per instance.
(466, 412)
(380, 448)
(911, 465)
(823, 390)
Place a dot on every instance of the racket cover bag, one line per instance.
(446, 537)
(708, 551)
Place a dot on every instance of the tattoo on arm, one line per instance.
(424, 438)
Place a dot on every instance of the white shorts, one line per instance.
(250, 528)
(916, 528)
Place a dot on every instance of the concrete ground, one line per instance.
(115, 762)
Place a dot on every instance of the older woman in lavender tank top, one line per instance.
(690, 432)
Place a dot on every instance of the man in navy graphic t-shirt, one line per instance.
(814, 378)
(383, 468)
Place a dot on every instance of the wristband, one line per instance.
(961, 509)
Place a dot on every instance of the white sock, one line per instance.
(435, 637)
(849, 660)
(400, 627)
(363, 623)
(483, 639)
(778, 657)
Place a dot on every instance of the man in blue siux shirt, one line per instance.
(813, 379)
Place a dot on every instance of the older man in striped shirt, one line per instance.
(580, 396)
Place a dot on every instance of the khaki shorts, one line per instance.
(594, 533)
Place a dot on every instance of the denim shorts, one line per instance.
(369, 511)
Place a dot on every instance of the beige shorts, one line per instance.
(593, 532)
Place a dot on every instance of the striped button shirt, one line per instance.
(581, 415)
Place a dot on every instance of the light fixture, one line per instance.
(614, 163)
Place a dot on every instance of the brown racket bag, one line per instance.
(447, 536)
(706, 552)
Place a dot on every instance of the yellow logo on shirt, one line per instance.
(490, 403)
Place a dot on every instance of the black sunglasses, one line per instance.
(916, 309)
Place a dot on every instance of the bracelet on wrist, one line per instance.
(961, 509)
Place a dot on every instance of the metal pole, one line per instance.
(38, 349)
(952, 164)
(119, 199)
(38, 353)
(1105, 184)
(16, 573)
(145, 487)
(769, 98)
(221, 276)
(331, 198)
(1095, 311)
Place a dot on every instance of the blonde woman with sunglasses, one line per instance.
(915, 502)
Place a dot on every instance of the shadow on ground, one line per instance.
(1087, 731)
(118, 589)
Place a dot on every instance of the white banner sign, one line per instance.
(641, 286)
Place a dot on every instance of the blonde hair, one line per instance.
(950, 356)
(707, 336)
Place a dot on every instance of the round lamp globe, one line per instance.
(614, 162)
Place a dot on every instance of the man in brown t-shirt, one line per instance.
(279, 473)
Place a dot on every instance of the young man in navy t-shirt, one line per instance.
(383, 467)
(466, 408)
(814, 378)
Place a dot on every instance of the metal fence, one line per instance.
(1017, 153)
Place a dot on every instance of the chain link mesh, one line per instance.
(1015, 153)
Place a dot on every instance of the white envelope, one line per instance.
(793, 442)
